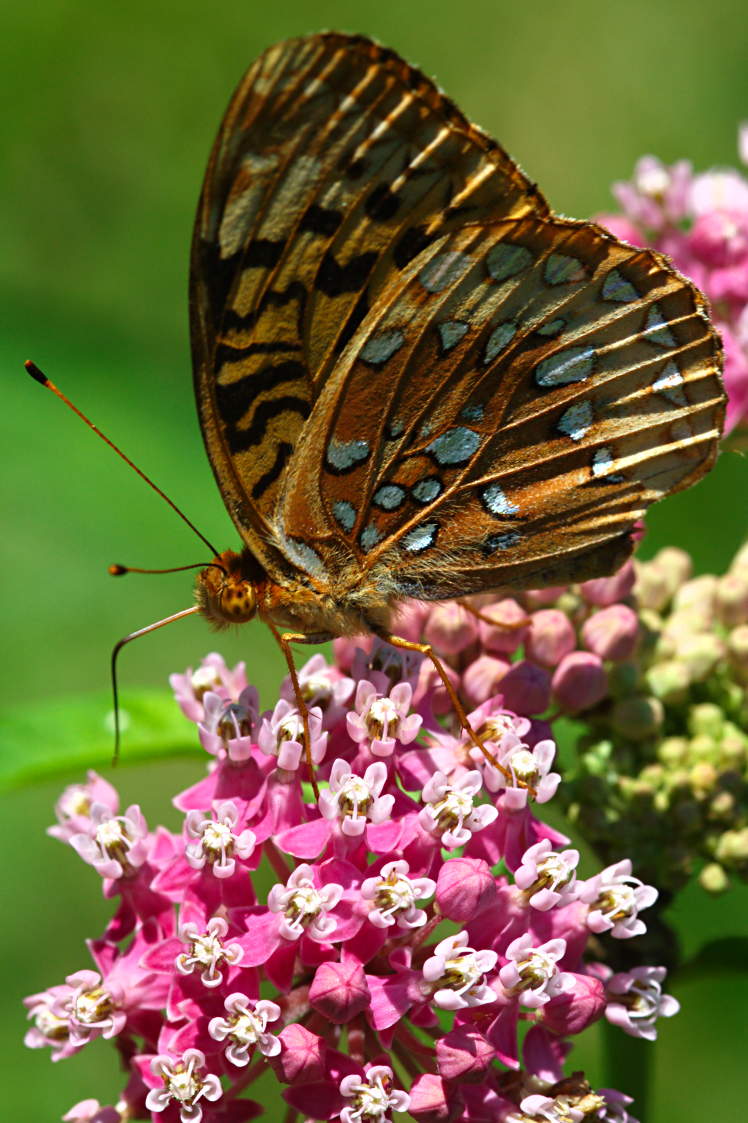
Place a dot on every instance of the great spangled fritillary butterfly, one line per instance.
(413, 379)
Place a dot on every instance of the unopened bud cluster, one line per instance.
(663, 765)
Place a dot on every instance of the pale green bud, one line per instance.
(700, 594)
(732, 598)
(673, 751)
(706, 718)
(638, 718)
(700, 654)
(714, 879)
(703, 778)
(722, 806)
(669, 681)
(732, 848)
(703, 749)
(623, 679)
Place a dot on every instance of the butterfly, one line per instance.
(413, 378)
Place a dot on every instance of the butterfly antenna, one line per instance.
(115, 652)
(120, 570)
(42, 379)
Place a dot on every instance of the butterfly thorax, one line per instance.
(234, 588)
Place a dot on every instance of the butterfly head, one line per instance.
(226, 590)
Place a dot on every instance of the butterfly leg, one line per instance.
(284, 640)
(427, 650)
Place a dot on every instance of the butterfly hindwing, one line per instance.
(335, 166)
(508, 413)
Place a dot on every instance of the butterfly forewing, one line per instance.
(412, 378)
(335, 166)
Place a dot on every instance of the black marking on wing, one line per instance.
(320, 220)
(239, 440)
(334, 279)
(410, 245)
(282, 454)
(381, 204)
(263, 253)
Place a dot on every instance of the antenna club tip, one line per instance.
(35, 373)
(117, 570)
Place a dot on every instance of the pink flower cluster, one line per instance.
(701, 222)
(384, 948)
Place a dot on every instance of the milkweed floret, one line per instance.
(185, 1084)
(304, 907)
(382, 720)
(207, 951)
(215, 844)
(532, 974)
(354, 800)
(244, 1028)
(614, 899)
(372, 1097)
(393, 895)
(450, 811)
(455, 975)
(282, 735)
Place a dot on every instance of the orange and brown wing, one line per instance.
(336, 165)
(506, 414)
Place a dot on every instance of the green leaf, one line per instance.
(47, 739)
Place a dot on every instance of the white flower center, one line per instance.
(617, 901)
(93, 1006)
(524, 765)
(371, 1101)
(304, 904)
(382, 714)
(247, 1027)
(290, 728)
(111, 835)
(653, 182)
(536, 969)
(395, 894)
(354, 795)
(182, 1084)
(461, 971)
(52, 1027)
(206, 950)
(217, 838)
(452, 809)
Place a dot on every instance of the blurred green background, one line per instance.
(108, 115)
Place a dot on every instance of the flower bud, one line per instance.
(732, 598)
(339, 991)
(700, 593)
(302, 1057)
(539, 598)
(669, 682)
(480, 680)
(611, 633)
(431, 1101)
(450, 628)
(706, 719)
(703, 777)
(623, 679)
(722, 807)
(732, 847)
(638, 718)
(551, 636)
(577, 1008)
(737, 652)
(465, 887)
(526, 688)
(464, 1054)
(701, 654)
(508, 629)
(673, 751)
(714, 879)
(604, 591)
(579, 681)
